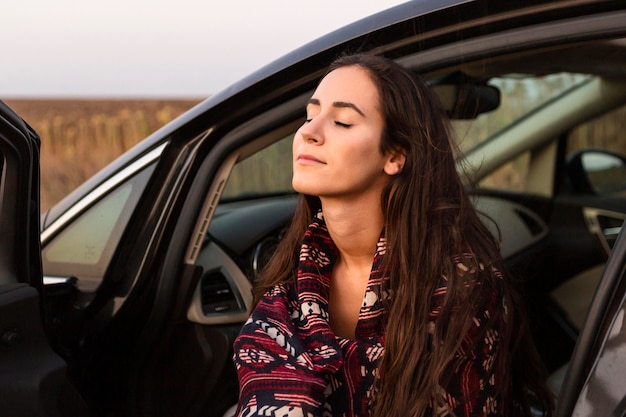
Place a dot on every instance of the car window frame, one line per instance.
(91, 200)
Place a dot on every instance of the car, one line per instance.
(124, 299)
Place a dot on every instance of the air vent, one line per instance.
(217, 294)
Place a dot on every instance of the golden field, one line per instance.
(79, 137)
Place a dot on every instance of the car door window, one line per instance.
(266, 172)
(605, 132)
(83, 249)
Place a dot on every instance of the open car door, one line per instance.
(32, 376)
(595, 383)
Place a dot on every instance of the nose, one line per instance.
(311, 131)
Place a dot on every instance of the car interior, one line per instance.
(543, 153)
(555, 232)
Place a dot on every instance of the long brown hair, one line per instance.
(428, 219)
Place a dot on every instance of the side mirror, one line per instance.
(597, 172)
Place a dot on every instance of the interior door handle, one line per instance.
(612, 232)
(605, 224)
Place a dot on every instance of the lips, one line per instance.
(309, 159)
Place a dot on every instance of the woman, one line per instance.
(385, 298)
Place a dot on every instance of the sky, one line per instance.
(155, 48)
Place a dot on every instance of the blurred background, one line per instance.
(81, 136)
(95, 78)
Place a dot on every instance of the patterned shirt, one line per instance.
(290, 363)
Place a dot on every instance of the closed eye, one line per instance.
(346, 125)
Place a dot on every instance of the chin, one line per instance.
(301, 184)
(303, 189)
(313, 188)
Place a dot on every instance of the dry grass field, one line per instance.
(79, 137)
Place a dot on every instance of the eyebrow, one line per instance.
(339, 104)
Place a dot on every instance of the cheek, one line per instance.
(364, 148)
(297, 140)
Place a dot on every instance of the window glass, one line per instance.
(84, 248)
(75, 245)
(606, 173)
(266, 172)
(519, 95)
(604, 132)
(510, 176)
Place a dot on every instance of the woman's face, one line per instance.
(336, 152)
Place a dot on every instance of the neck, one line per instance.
(355, 229)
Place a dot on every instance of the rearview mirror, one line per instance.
(465, 98)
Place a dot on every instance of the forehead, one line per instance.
(350, 84)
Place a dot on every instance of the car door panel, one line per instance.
(37, 374)
(563, 273)
(593, 384)
(189, 363)
(34, 379)
(19, 149)
(564, 251)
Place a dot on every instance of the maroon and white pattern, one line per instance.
(290, 363)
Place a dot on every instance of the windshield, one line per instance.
(519, 95)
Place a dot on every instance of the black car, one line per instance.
(124, 299)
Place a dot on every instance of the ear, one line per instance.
(395, 162)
